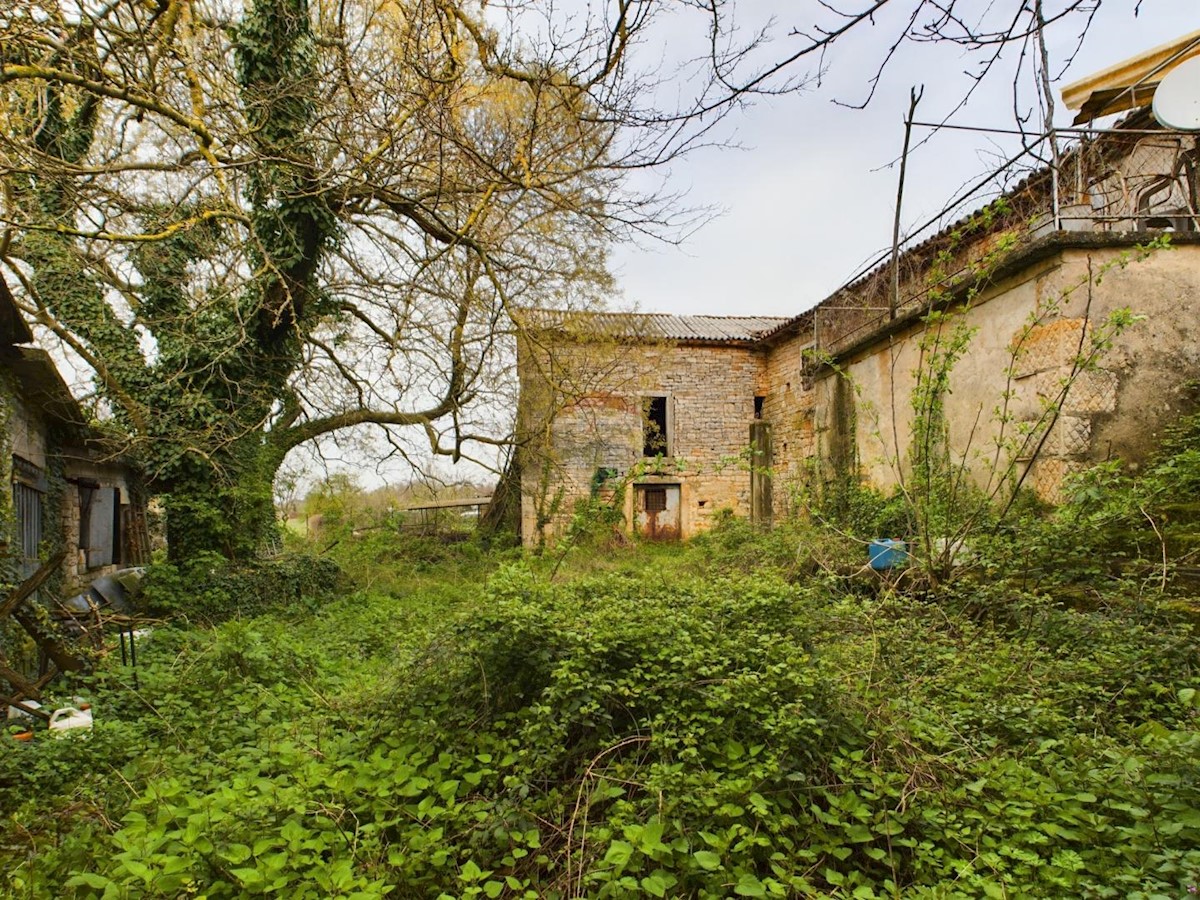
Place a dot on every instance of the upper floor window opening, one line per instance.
(656, 426)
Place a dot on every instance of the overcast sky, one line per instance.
(810, 195)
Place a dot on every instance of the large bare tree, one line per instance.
(258, 223)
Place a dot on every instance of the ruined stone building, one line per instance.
(64, 493)
(663, 402)
(1068, 318)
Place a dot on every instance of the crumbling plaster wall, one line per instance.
(590, 418)
(1051, 311)
(1157, 361)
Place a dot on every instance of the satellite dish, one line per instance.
(1177, 99)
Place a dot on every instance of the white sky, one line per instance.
(810, 196)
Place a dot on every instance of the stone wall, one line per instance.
(27, 433)
(29, 436)
(790, 407)
(581, 412)
(1019, 405)
(109, 479)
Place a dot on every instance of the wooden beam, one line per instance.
(448, 504)
(58, 652)
(26, 588)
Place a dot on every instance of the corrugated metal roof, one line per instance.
(711, 328)
(656, 326)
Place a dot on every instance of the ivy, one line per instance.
(663, 724)
(191, 412)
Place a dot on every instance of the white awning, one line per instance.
(1129, 84)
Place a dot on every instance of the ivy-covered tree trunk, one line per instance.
(227, 507)
(256, 224)
(231, 513)
(203, 415)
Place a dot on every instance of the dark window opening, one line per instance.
(655, 499)
(655, 440)
(87, 496)
(758, 406)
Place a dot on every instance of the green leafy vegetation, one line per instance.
(738, 717)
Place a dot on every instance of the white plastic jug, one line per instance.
(69, 718)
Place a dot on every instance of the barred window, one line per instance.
(656, 499)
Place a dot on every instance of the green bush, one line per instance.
(1119, 537)
(687, 725)
(210, 588)
(790, 550)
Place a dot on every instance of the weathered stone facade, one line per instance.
(585, 438)
(60, 493)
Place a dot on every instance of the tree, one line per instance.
(256, 224)
(796, 47)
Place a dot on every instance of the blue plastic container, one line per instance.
(887, 553)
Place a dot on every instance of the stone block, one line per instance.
(1094, 391)
(1048, 476)
(1073, 435)
(1048, 346)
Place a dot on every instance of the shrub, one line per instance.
(683, 730)
(210, 588)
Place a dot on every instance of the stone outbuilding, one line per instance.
(653, 412)
(66, 493)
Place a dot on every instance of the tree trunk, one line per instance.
(231, 514)
(504, 512)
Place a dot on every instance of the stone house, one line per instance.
(653, 411)
(1070, 309)
(66, 493)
